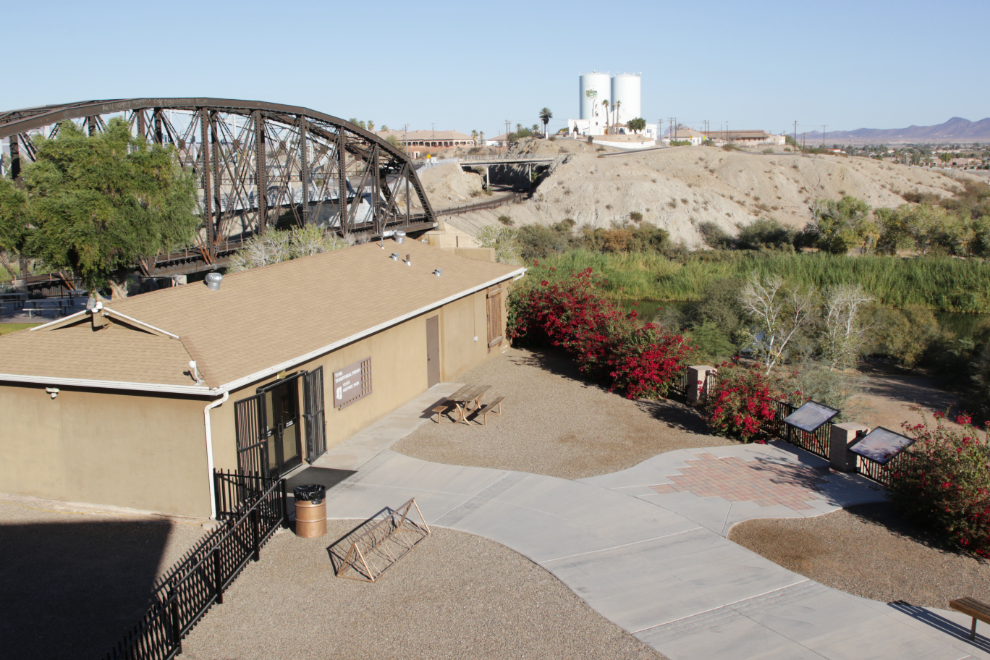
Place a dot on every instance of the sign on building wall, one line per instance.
(351, 383)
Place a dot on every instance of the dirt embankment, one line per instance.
(678, 188)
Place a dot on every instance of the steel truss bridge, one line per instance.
(257, 165)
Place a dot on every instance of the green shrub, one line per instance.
(712, 344)
(766, 233)
(901, 334)
(714, 236)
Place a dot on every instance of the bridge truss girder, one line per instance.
(255, 163)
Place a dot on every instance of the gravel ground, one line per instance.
(555, 423)
(869, 551)
(454, 596)
(73, 580)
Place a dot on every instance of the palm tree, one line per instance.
(605, 103)
(545, 117)
(474, 136)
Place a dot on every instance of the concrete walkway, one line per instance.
(645, 547)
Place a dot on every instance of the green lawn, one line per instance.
(7, 328)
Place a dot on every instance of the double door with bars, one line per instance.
(269, 425)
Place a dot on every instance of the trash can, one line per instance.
(311, 510)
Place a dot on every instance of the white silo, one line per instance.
(594, 87)
(626, 92)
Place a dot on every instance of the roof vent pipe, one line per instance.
(213, 281)
(409, 260)
(437, 272)
(399, 236)
(394, 256)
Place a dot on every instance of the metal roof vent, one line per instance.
(213, 281)
(437, 272)
(399, 236)
(394, 256)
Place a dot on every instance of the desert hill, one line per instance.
(678, 188)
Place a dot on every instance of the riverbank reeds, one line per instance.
(939, 283)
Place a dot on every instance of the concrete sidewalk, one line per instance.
(667, 578)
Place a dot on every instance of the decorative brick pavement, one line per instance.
(761, 481)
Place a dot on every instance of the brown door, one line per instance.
(432, 351)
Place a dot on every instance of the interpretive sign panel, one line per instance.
(810, 416)
(351, 383)
(881, 445)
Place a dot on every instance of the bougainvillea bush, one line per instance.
(569, 312)
(742, 403)
(942, 482)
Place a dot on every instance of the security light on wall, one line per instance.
(53, 391)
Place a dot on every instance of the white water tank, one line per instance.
(626, 92)
(595, 87)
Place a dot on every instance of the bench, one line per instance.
(439, 411)
(974, 608)
(490, 409)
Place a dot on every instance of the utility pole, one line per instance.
(434, 129)
(795, 133)
(824, 126)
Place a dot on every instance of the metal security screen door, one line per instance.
(252, 450)
(280, 425)
(316, 420)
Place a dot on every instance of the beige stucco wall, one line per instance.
(139, 451)
(148, 451)
(398, 372)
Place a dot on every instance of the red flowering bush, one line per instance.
(606, 343)
(649, 362)
(742, 403)
(942, 482)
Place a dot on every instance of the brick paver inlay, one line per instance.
(760, 481)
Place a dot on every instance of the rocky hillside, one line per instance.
(678, 188)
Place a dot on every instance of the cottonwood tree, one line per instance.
(14, 228)
(778, 314)
(98, 203)
(840, 225)
(843, 334)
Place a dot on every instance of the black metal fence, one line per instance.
(191, 587)
(882, 473)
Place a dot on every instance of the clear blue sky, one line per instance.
(469, 65)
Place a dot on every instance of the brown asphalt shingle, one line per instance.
(258, 319)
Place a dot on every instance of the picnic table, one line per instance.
(467, 399)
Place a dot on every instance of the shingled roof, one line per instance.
(259, 322)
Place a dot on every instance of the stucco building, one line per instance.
(136, 402)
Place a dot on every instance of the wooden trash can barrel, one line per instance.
(311, 511)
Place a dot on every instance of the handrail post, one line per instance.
(285, 505)
(256, 526)
(176, 624)
(218, 573)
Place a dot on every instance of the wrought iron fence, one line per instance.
(192, 586)
(882, 473)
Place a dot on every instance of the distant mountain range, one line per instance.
(956, 129)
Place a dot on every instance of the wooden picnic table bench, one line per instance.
(44, 305)
(466, 399)
(492, 408)
(974, 608)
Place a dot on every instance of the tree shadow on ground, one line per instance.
(71, 590)
(554, 362)
(886, 515)
(676, 414)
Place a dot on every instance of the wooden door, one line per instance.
(432, 351)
